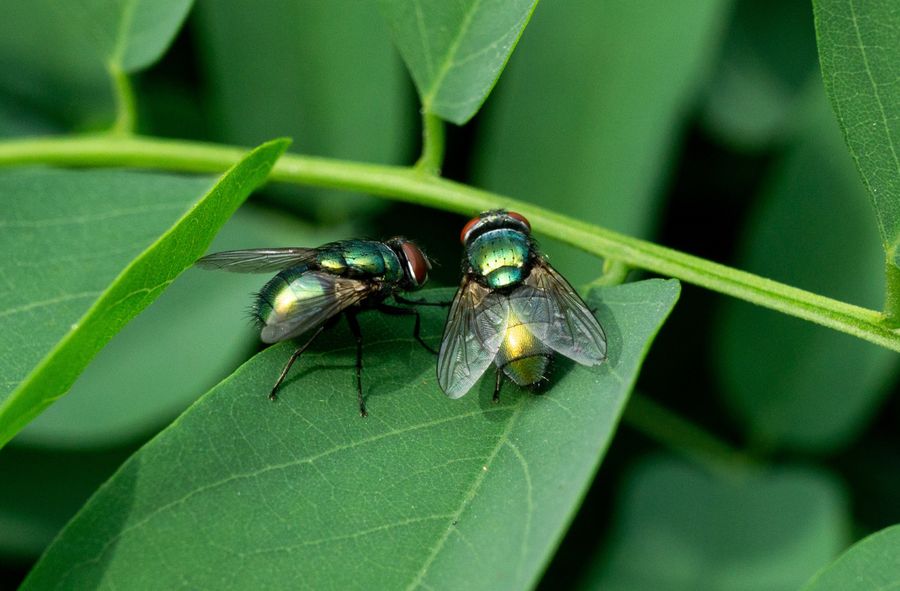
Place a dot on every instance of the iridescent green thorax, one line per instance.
(360, 258)
(500, 257)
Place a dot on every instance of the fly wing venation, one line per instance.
(257, 260)
(475, 329)
(572, 329)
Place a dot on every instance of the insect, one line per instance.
(314, 287)
(512, 309)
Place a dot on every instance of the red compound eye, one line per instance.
(468, 228)
(418, 263)
(520, 217)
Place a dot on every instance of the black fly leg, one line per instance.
(395, 311)
(402, 300)
(357, 333)
(497, 384)
(273, 394)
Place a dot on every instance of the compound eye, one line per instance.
(417, 263)
(468, 228)
(519, 217)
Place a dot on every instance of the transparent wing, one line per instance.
(257, 260)
(570, 327)
(475, 328)
(533, 308)
(321, 296)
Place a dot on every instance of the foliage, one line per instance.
(616, 128)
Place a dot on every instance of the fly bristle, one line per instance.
(254, 312)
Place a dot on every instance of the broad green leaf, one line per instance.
(793, 383)
(859, 53)
(184, 343)
(427, 492)
(595, 141)
(86, 252)
(127, 34)
(769, 54)
(331, 80)
(42, 489)
(57, 54)
(456, 51)
(872, 564)
(680, 527)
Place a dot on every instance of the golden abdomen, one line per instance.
(522, 357)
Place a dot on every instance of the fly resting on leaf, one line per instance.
(315, 286)
(512, 309)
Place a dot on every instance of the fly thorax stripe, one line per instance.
(499, 256)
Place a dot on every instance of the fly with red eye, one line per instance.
(314, 287)
(512, 310)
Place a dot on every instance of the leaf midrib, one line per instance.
(878, 100)
(468, 497)
(125, 23)
(447, 63)
(282, 466)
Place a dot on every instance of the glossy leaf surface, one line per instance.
(135, 232)
(872, 564)
(456, 50)
(194, 335)
(426, 491)
(859, 53)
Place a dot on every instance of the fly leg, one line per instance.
(402, 300)
(497, 385)
(357, 334)
(273, 395)
(395, 311)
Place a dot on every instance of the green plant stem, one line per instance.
(432, 158)
(126, 118)
(410, 185)
(614, 273)
(666, 427)
(892, 291)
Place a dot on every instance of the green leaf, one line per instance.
(87, 252)
(126, 34)
(331, 80)
(426, 492)
(859, 53)
(595, 141)
(456, 51)
(872, 564)
(680, 527)
(769, 55)
(50, 49)
(807, 387)
(178, 348)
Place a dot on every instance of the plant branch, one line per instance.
(892, 291)
(410, 185)
(432, 158)
(126, 118)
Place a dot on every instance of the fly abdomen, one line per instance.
(286, 294)
(522, 356)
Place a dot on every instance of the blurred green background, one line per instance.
(701, 125)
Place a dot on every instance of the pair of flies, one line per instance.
(512, 309)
